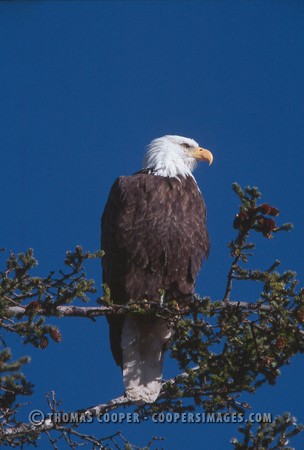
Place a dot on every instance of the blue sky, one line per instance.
(84, 87)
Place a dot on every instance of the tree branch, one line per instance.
(47, 424)
(96, 311)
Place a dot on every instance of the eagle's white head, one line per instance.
(175, 156)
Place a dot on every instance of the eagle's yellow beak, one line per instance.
(201, 154)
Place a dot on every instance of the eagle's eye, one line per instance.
(185, 145)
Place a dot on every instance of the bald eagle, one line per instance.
(154, 237)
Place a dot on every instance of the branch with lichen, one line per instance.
(26, 300)
(274, 435)
(251, 217)
(14, 435)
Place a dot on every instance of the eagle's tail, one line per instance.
(142, 343)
